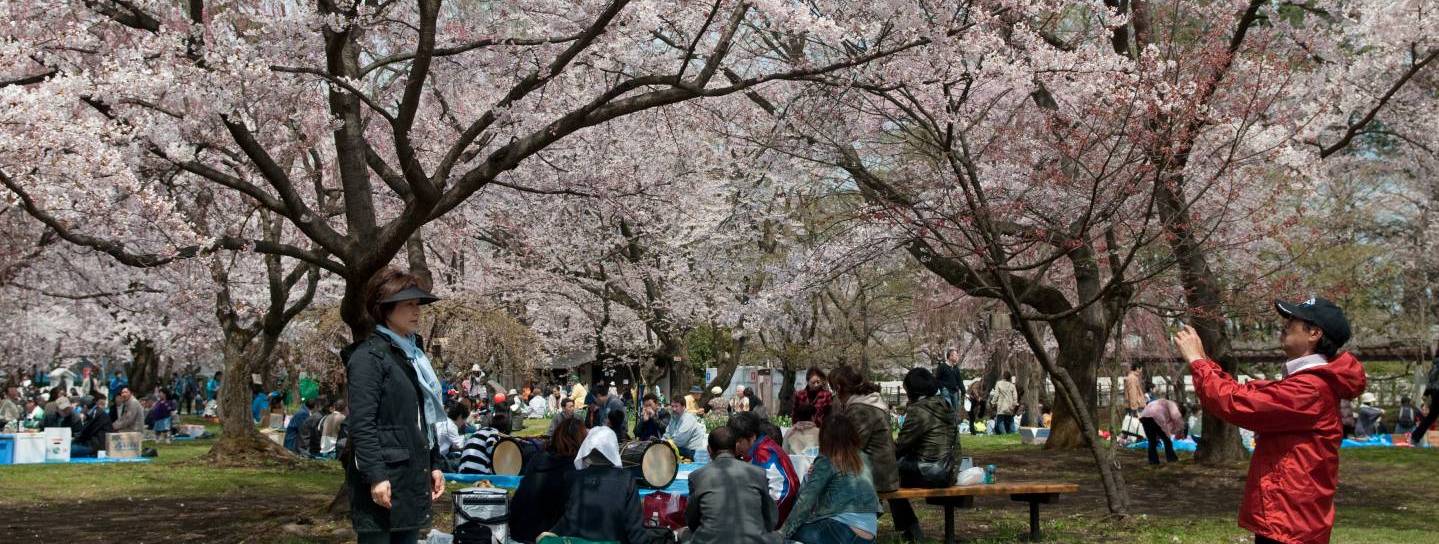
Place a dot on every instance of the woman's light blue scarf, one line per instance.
(434, 406)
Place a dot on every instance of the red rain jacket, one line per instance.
(1289, 494)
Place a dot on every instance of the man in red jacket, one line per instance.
(1289, 494)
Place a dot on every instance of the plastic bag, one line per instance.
(971, 476)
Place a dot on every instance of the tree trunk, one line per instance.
(240, 443)
(786, 388)
(726, 369)
(1073, 395)
(144, 370)
(1080, 350)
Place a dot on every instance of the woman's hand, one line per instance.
(437, 484)
(1189, 344)
(380, 493)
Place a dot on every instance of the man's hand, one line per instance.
(380, 493)
(1189, 344)
(437, 484)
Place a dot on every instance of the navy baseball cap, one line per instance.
(411, 293)
(1321, 313)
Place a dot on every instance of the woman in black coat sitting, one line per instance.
(544, 489)
(604, 502)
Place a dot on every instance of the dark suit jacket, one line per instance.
(730, 502)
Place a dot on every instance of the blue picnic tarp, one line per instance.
(97, 461)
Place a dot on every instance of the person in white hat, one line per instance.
(1369, 421)
(717, 404)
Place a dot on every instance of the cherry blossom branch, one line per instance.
(458, 49)
(1354, 129)
(118, 251)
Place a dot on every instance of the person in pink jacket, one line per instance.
(1161, 419)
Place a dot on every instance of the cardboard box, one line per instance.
(122, 445)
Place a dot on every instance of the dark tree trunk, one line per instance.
(144, 369)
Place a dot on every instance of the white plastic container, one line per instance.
(29, 448)
(57, 445)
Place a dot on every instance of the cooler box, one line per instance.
(1033, 435)
(7, 449)
(29, 448)
(57, 445)
(122, 445)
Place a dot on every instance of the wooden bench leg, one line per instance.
(1034, 521)
(1034, 500)
(949, 524)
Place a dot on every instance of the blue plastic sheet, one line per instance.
(98, 461)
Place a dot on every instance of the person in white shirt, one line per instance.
(538, 407)
(447, 432)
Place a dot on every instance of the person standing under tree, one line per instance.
(815, 395)
(950, 381)
(1004, 399)
(1289, 493)
(392, 464)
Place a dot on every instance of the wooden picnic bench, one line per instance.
(963, 497)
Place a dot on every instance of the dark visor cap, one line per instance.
(411, 293)
(1318, 312)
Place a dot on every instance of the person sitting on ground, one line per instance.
(297, 422)
(753, 445)
(652, 419)
(1161, 418)
(729, 499)
(604, 403)
(540, 500)
(97, 424)
(803, 437)
(869, 413)
(538, 407)
(603, 502)
(130, 415)
(330, 429)
(478, 455)
(447, 433)
(567, 412)
(684, 429)
(1289, 493)
(10, 409)
(1369, 421)
(35, 407)
(615, 420)
(692, 401)
(838, 504)
(58, 412)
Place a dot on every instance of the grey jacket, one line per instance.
(729, 502)
(130, 417)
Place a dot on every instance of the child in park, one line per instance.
(1289, 494)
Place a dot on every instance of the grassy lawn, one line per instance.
(1384, 496)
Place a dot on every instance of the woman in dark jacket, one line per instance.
(394, 466)
(859, 401)
(603, 502)
(928, 437)
(544, 488)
